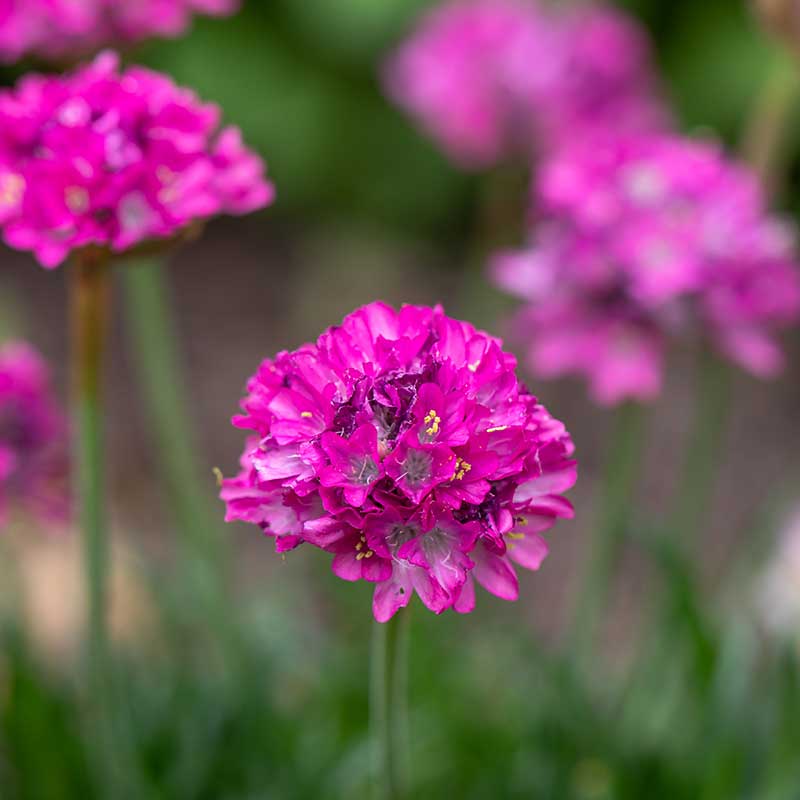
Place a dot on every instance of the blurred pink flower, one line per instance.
(491, 79)
(403, 443)
(55, 29)
(642, 238)
(114, 159)
(33, 437)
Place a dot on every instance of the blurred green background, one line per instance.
(686, 697)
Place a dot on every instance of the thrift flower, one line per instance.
(493, 79)
(402, 443)
(114, 159)
(33, 463)
(641, 239)
(56, 29)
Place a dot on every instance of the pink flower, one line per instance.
(57, 29)
(641, 239)
(403, 443)
(33, 434)
(492, 79)
(115, 159)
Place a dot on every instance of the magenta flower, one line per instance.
(640, 239)
(493, 79)
(57, 29)
(403, 443)
(115, 159)
(33, 437)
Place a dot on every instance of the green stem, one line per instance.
(389, 705)
(620, 476)
(696, 486)
(89, 299)
(765, 137)
(153, 337)
(89, 307)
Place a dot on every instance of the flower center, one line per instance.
(418, 467)
(363, 470)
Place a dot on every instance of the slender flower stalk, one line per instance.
(617, 488)
(154, 342)
(89, 302)
(89, 292)
(389, 705)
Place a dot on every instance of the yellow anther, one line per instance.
(306, 414)
(521, 521)
(360, 556)
(496, 428)
(369, 554)
(462, 468)
(433, 420)
(515, 535)
(473, 367)
(359, 545)
(218, 475)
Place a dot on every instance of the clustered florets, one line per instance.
(497, 79)
(33, 440)
(115, 158)
(55, 29)
(403, 443)
(643, 238)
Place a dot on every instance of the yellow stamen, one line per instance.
(306, 414)
(433, 420)
(218, 475)
(497, 428)
(462, 468)
(515, 535)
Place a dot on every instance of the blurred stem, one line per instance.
(765, 137)
(153, 337)
(89, 290)
(620, 475)
(389, 705)
(704, 445)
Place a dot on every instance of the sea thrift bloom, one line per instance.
(403, 443)
(644, 238)
(490, 79)
(33, 465)
(56, 29)
(115, 159)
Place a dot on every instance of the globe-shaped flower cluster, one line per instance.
(113, 159)
(33, 437)
(497, 79)
(641, 239)
(56, 29)
(403, 443)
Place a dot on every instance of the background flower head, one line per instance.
(56, 29)
(491, 79)
(642, 238)
(403, 443)
(33, 437)
(115, 158)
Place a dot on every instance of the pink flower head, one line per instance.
(115, 159)
(642, 238)
(491, 79)
(57, 29)
(33, 464)
(403, 443)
